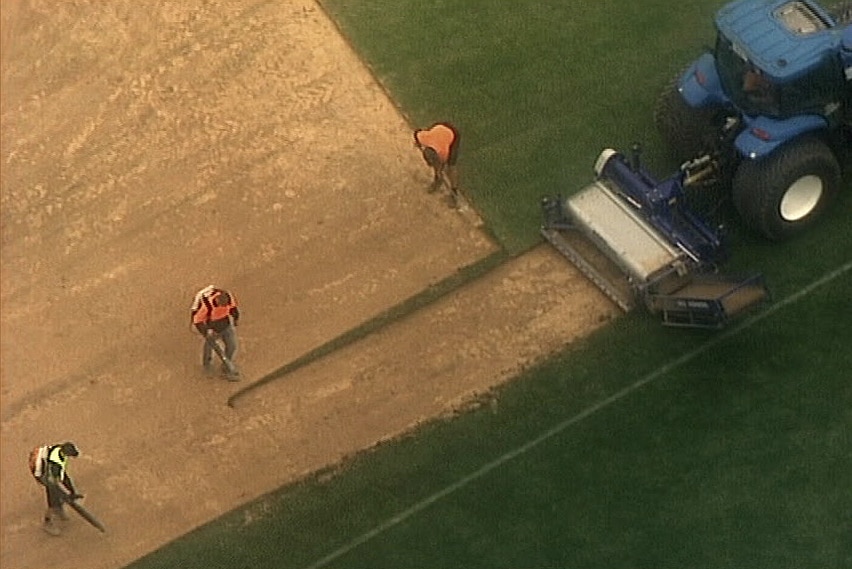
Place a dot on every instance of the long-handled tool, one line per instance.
(84, 513)
(229, 365)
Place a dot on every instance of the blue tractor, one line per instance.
(768, 111)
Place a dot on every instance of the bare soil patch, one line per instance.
(149, 149)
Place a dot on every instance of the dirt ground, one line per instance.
(152, 148)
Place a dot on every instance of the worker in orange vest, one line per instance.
(439, 145)
(214, 315)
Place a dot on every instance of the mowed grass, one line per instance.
(733, 450)
(729, 461)
(537, 89)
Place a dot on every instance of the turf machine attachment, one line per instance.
(635, 238)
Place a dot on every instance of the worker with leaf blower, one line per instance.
(214, 314)
(48, 466)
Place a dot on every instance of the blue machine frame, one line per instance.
(759, 37)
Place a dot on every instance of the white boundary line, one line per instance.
(552, 432)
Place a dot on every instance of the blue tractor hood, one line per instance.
(785, 39)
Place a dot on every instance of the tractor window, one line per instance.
(814, 91)
(756, 94)
(760, 91)
(748, 88)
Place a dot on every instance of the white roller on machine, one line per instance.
(636, 240)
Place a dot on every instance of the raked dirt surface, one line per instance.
(152, 148)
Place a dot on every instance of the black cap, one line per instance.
(70, 449)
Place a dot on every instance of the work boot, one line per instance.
(61, 515)
(50, 525)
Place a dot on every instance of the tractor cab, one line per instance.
(776, 59)
(770, 109)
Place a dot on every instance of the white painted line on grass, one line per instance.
(550, 433)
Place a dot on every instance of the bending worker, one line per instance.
(48, 467)
(214, 314)
(440, 147)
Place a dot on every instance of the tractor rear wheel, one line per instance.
(784, 193)
(686, 131)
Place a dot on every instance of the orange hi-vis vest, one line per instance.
(209, 312)
(440, 138)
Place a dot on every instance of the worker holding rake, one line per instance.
(214, 315)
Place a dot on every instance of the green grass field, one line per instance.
(640, 447)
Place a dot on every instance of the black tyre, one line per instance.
(784, 193)
(686, 131)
